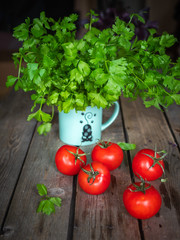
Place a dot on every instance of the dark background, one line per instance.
(12, 13)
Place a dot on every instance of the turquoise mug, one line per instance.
(80, 128)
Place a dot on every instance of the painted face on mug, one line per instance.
(87, 118)
(81, 128)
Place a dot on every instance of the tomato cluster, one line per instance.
(140, 199)
(95, 177)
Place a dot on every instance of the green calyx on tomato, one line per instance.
(142, 205)
(149, 164)
(77, 155)
(69, 159)
(104, 144)
(157, 158)
(92, 174)
(110, 156)
(95, 179)
(140, 188)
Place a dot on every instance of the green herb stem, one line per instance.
(139, 79)
(139, 64)
(19, 70)
(90, 22)
(106, 66)
(52, 116)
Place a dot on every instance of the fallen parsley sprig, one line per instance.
(47, 204)
(127, 146)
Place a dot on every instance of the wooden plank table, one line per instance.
(27, 158)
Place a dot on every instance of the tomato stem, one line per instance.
(92, 174)
(142, 187)
(104, 144)
(77, 155)
(156, 159)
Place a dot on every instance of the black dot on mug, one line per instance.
(81, 121)
(92, 121)
(95, 115)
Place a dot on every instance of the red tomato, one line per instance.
(110, 154)
(95, 178)
(142, 205)
(68, 161)
(147, 167)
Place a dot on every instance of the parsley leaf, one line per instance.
(42, 190)
(71, 73)
(10, 81)
(127, 146)
(44, 128)
(47, 204)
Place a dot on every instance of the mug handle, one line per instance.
(112, 118)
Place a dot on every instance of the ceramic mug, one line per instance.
(82, 128)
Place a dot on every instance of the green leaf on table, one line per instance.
(42, 190)
(127, 146)
(47, 204)
(46, 207)
(40, 206)
(55, 200)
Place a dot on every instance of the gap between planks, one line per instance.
(4, 230)
(171, 129)
(73, 200)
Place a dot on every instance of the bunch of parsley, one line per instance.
(95, 70)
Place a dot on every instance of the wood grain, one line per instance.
(22, 221)
(15, 136)
(27, 159)
(173, 114)
(104, 216)
(147, 127)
